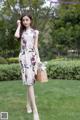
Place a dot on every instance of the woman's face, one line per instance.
(26, 21)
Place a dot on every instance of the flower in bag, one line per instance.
(41, 66)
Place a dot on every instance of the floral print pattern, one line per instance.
(28, 57)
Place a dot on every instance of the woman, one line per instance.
(28, 59)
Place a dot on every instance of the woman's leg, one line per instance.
(33, 103)
(28, 105)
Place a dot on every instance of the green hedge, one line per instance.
(10, 72)
(3, 60)
(64, 69)
(9, 60)
(56, 69)
(12, 60)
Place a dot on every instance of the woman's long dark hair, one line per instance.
(22, 26)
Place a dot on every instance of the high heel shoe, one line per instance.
(28, 108)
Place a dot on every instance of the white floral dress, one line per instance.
(28, 56)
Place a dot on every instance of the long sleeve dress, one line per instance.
(28, 56)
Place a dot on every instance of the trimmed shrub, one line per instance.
(12, 60)
(3, 60)
(56, 69)
(67, 69)
(10, 72)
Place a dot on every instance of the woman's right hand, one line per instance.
(18, 22)
(17, 33)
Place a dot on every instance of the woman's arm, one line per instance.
(17, 33)
(36, 45)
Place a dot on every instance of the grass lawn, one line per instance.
(56, 100)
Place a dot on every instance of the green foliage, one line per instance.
(56, 69)
(9, 72)
(66, 27)
(3, 60)
(8, 23)
(64, 69)
(57, 35)
(9, 53)
(12, 60)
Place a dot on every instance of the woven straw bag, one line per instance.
(41, 73)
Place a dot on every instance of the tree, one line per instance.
(11, 12)
(66, 27)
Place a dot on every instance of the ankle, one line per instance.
(35, 112)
